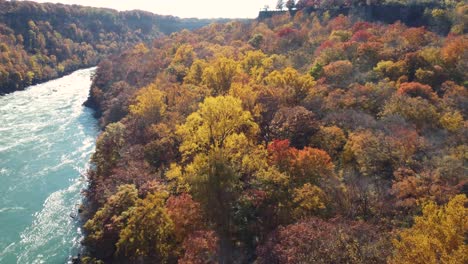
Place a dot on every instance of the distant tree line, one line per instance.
(300, 4)
(39, 42)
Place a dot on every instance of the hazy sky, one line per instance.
(183, 8)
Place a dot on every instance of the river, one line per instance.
(46, 139)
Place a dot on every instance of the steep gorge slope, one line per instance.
(39, 42)
(293, 139)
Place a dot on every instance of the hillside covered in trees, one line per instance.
(39, 42)
(295, 139)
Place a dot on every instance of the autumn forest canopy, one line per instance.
(310, 136)
(300, 138)
(39, 42)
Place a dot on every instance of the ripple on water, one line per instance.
(46, 139)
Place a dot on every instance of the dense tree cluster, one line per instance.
(299, 4)
(441, 16)
(39, 42)
(304, 139)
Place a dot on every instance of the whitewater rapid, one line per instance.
(46, 139)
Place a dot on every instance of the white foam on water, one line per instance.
(6, 209)
(51, 225)
(44, 152)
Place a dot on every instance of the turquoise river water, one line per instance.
(46, 139)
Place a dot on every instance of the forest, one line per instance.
(302, 138)
(40, 42)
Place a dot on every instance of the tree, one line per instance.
(149, 232)
(201, 247)
(308, 165)
(219, 75)
(104, 227)
(185, 214)
(210, 126)
(415, 89)
(308, 199)
(182, 61)
(256, 40)
(452, 121)
(208, 136)
(331, 139)
(414, 109)
(149, 104)
(316, 71)
(108, 148)
(184, 55)
(291, 86)
(338, 72)
(440, 185)
(370, 153)
(314, 240)
(297, 182)
(280, 4)
(296, 124)
(311, 165)
(216, 186)
(438, 236)
(392, 70)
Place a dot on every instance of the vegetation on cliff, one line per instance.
(39, 42)
(304, 139)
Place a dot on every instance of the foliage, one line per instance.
(149, 231)
(40, 42)
(104, 228)
(317, 241)
(438, 236)
(149, 104)
(216, 120)
(296, 124)
(300, 138)
(108, 148)
(200, 248)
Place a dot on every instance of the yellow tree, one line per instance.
(183, 59)
(149, 233)
(210, 137)
(184, 55)
(149, 104)
(438, 236)
(219, 76)
(195, 73)
(216, 119)
(292, 86)
(103, 229)
(108, 148)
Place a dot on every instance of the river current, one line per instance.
(46, 139)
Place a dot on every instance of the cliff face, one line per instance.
(411, 15)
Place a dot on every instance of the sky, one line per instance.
(183, 8)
